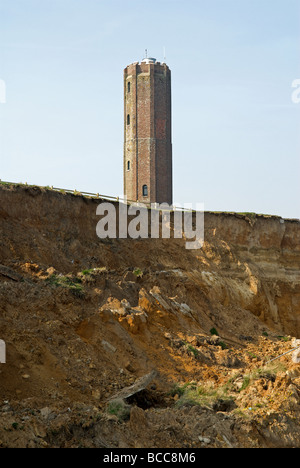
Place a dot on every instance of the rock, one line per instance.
(106, 315)
(227, 441)
(30, 267)
(128, 366)
(125, 305)
(9, 273)
(193, 340)
(130, 276)
(39, 430)
(120, 312)
(226, 359)
(213, 340)
(155, 292)
(204, 440)
(108, 347)
(238, 383)
(96, 394)
(136, 322)
(183, 308)
(147, 302)
(293, 373)
(295, 343)
(51, 271)
(139, 385)
(296, 356)
(6, 408)
(45, 412)
(138, 419)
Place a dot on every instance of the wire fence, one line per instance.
(103, 197)
(290, 351)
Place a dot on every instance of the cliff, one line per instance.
(84, 318)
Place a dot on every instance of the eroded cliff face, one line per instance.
(247, 262)
(259, 261)
(84, 318)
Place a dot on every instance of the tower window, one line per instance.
(145, 191)
(128, 87)
(128, 119)
(128, 165)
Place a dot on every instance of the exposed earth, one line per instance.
(142, 343)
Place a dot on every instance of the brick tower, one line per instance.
(147, 132)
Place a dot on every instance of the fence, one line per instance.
(100, 196)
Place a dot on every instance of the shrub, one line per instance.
(203, 395)
(72, 284)
(192, 350)
(138, 272)
(119, 408)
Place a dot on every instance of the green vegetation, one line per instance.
(248, 214)
(223, 345)
(119, 408)
(267, 372)
(87, 272)
(92, 271)
(210, 395)
(191, 349)
(246, 382)
(178, 389)
(138, 272)
(72, 284)
(205, 394)
(284, 338)
(5, 183)
(213, 331)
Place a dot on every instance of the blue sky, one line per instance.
(235, 129)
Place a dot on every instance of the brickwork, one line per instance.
(147, 132)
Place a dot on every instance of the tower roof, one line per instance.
(149, 60)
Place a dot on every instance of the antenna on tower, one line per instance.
(146, 53)
(164, 55)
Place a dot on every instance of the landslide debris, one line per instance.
(142, 343)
